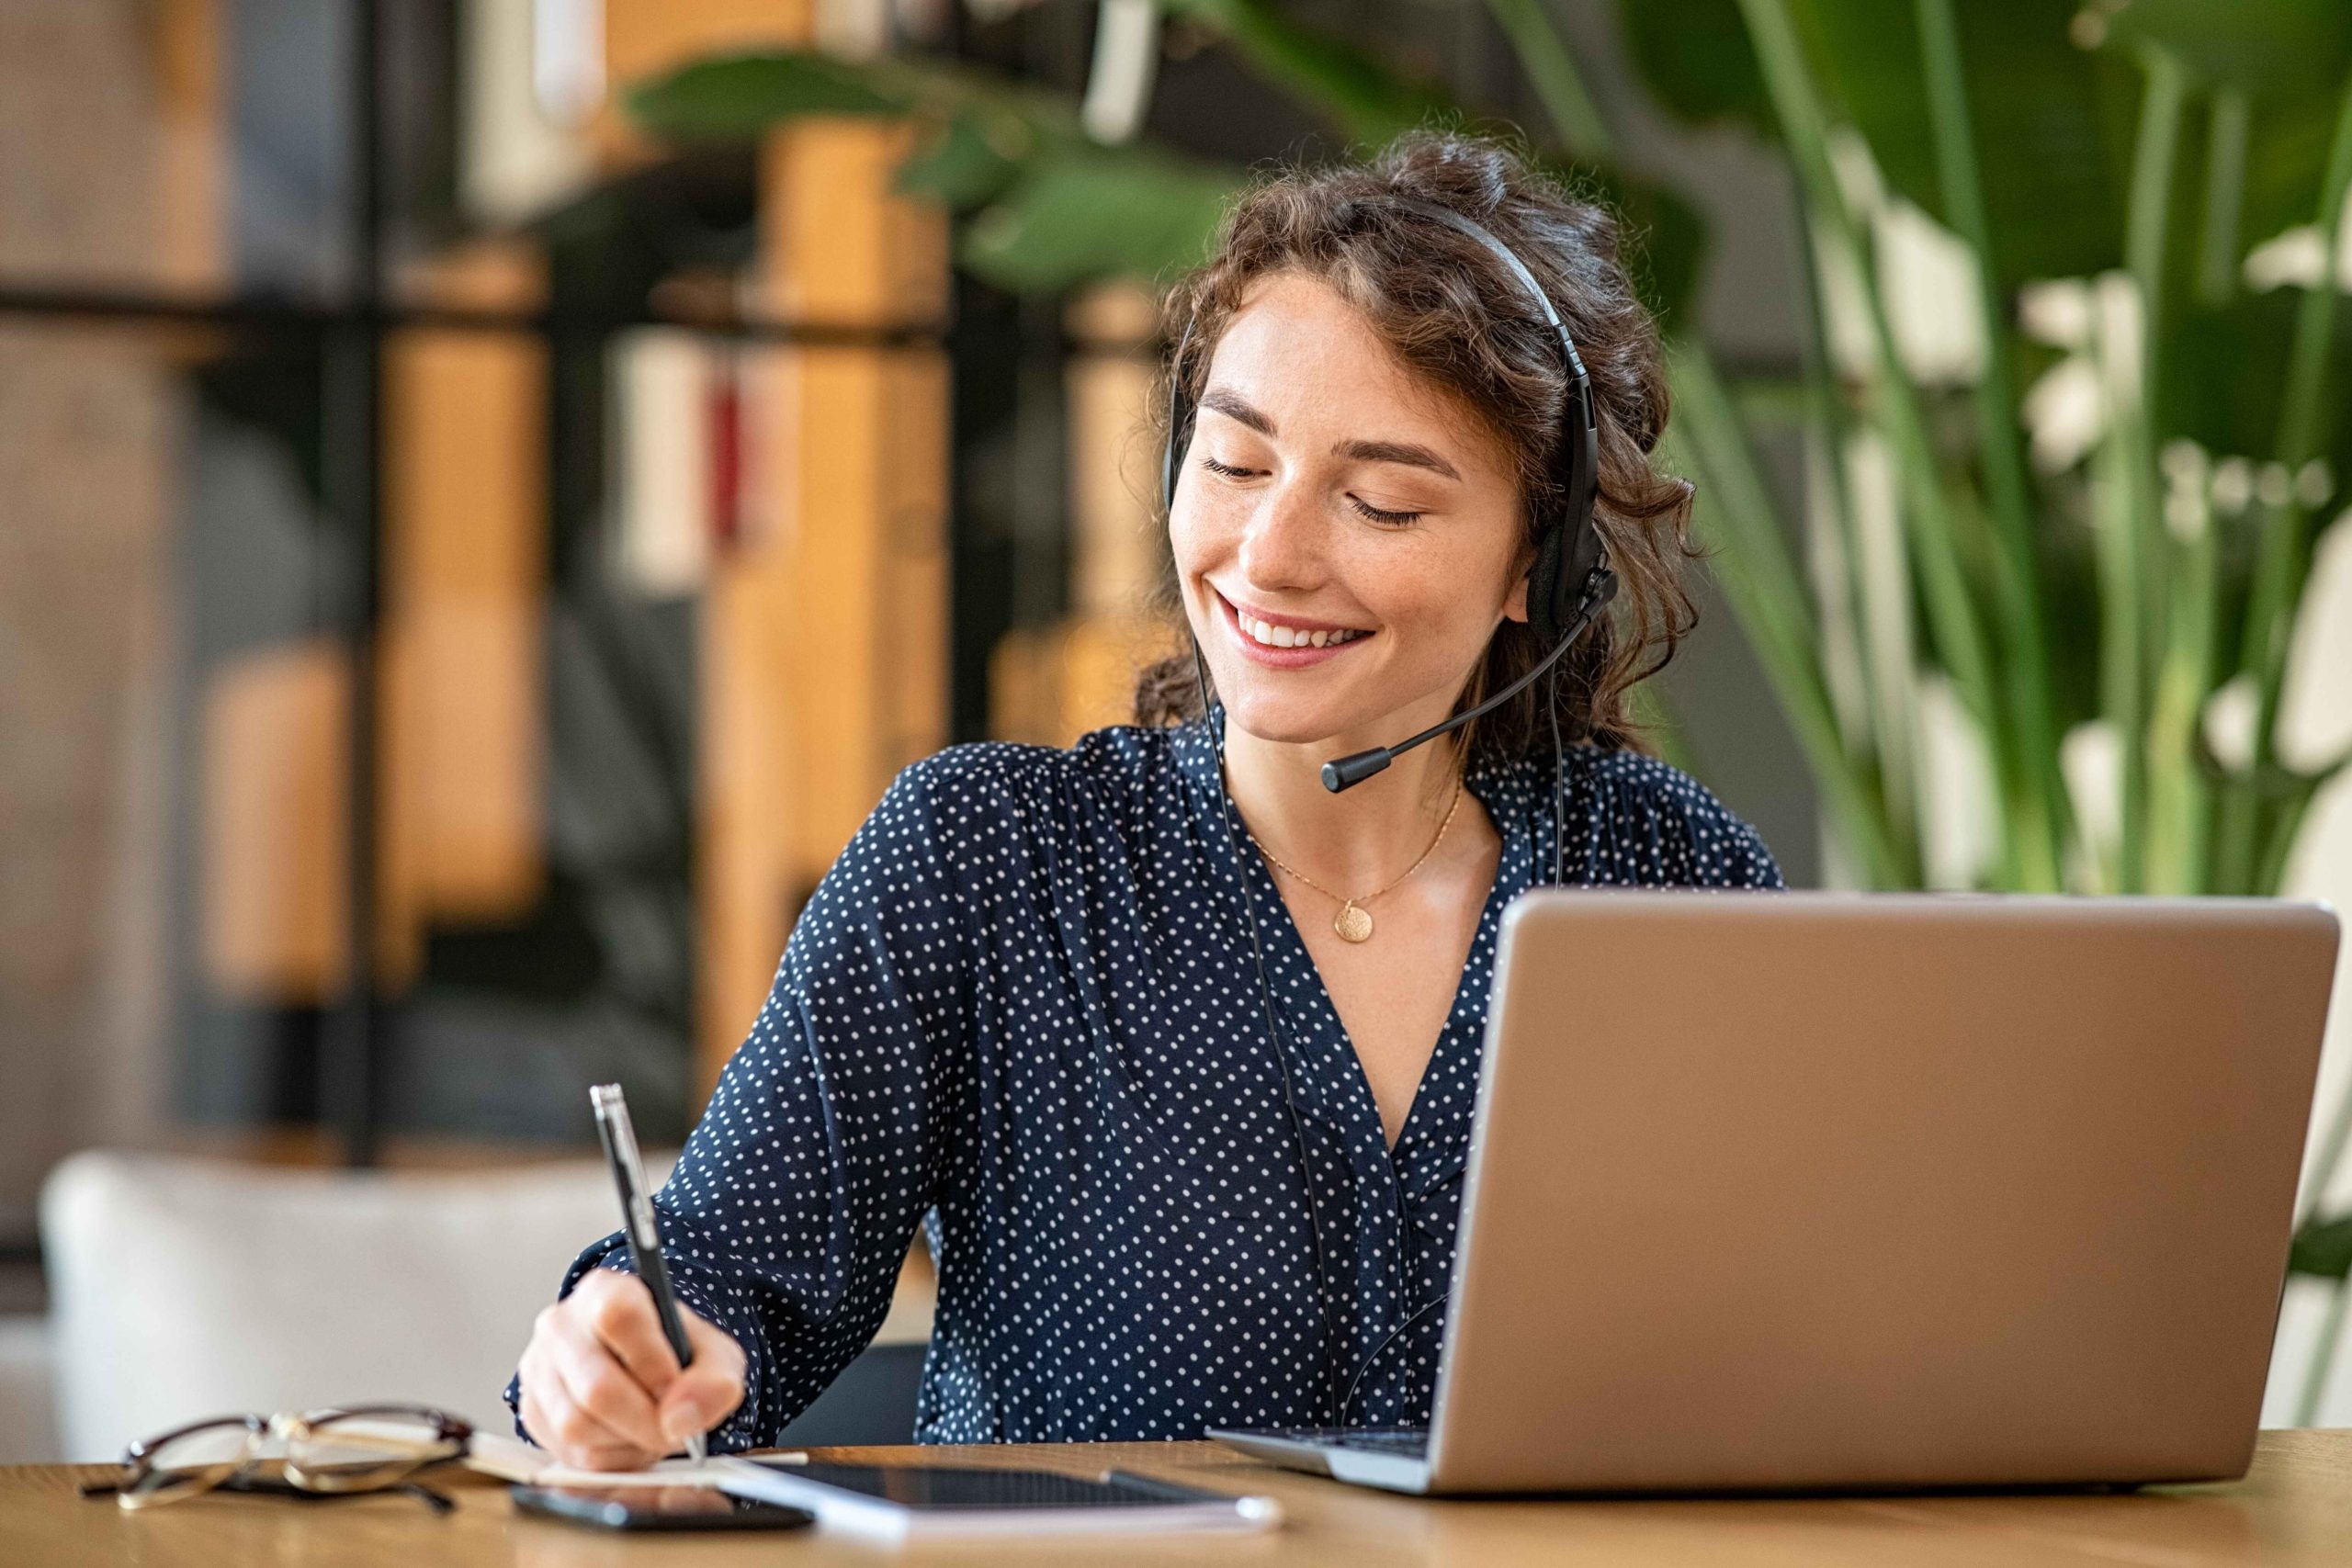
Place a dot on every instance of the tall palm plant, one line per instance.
(2142, 148)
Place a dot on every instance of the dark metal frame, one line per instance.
(135, 1484)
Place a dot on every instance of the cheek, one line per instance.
(1438, 614)
(1432, 589)
(1200, 532)
(1183, 532)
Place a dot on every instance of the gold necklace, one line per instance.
(1353, 923)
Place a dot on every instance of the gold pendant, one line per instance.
(1352, 923)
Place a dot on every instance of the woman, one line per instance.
(1165, 1191)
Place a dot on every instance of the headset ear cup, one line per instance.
(1544, 587)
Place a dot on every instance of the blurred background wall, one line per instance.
(490, 490)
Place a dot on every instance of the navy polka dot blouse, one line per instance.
(1020, 1012)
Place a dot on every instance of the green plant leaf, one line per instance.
(734, 97)
(2225, 390)
(2054, 121)
(2286, 160)
(1081, 214)
(1695, 56)
(2268, 50)
(2288, 59)
(2322, 1248)
(1666, 246)
(1369, 99)
(959, 168)
(1372, 102)
(1551, 69)
(741, 95)
(1051, 208)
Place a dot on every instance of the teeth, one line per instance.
(1288, 636)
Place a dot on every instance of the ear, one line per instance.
(1515, 602)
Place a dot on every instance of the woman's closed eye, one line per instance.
(1383, 516)
(1379, 514)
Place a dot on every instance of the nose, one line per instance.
(1282, 546)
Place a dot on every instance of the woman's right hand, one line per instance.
(601, 1388)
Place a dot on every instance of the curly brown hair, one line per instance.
(1451, 311)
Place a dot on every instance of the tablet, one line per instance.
(897, 1500)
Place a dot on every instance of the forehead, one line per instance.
(1297, 349)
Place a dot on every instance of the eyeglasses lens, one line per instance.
(356, 1449)
(191, 1462)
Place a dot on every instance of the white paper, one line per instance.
(511, 1459)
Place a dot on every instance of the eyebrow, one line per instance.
(1406, 452)
(1410, 453)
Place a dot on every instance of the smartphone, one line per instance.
(657, 1509)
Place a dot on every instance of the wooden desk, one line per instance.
(2296, 1507)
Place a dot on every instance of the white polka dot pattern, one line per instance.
(1020, 1010)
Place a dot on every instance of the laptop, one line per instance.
(1860, 1191)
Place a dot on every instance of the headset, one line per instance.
(1567, 584)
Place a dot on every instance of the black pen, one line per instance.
(638, 1224)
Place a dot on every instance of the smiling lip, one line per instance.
(1283, 658)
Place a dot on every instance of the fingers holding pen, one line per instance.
(556, 1418)
(708, 1392)
(618, 1309)
(559, 1426)
(603, 1389)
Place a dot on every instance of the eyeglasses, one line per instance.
(327, 1453)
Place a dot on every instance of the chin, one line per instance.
(1285, 721)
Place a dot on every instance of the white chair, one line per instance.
(183, 1288)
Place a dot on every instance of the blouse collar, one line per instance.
(1510, 790)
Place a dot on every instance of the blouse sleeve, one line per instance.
(793, 1206)
(1654, 826)
(1745, 861)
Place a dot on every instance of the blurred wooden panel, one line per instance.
(465, 564)
(867, 553)
(272, 854)
(503, 273)
(646, 37)
(836, 244)
(1049, 685)
(859, 480)
(460, 669)
(192, 169)
(1024, 692)
(746, 802)
(1113, 477)
(465, 567)
(911, 613)
(825, 631)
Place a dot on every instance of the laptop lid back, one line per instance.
(1857, 1191)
